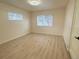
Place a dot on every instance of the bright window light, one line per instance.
(45, 20)
(14, 16)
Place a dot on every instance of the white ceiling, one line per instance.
(46, 4)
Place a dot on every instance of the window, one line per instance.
(44, 20)
(15, 16)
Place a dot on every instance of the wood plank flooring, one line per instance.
(35, 46)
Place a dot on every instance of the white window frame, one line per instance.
(15, 16)
(46, 22)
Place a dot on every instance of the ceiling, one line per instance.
(45, 5)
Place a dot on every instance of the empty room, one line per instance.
(39, 29)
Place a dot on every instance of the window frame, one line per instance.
(52, 20)
(17, 16)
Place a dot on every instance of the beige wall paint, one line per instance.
(12, 29)
(58, 24)
(68, 21)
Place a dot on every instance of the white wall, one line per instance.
(12, 29)
(58, 24)
(68, 21)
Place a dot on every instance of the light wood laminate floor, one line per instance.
(35, 46)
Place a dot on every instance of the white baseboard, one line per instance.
(13, 38)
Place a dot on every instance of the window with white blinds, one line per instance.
(14, 16)
(43, 20)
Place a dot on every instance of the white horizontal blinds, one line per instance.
(44, 20)
(19, 17)
(50, 21)
(40, 20)
(14, 16)
(11, 16)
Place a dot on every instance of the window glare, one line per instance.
(14, 16)
(44, 20)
